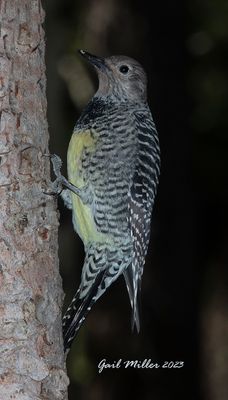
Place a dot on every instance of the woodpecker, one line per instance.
(113, 166)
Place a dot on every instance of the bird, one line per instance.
(113, 164)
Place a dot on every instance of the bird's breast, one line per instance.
(80, 142)
(83, 219)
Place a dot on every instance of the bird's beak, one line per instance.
(98, 62)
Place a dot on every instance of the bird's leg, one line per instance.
(61, 182)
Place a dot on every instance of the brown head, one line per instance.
(120, 77)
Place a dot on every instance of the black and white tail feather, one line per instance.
(134, 297)
(78, 311)
(100, 270)
(80, 307)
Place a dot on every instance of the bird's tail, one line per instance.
(101, 268)
(133, 283)
(78, 311)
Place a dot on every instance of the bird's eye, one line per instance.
(124, 69)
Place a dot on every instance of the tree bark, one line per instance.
(32, 364)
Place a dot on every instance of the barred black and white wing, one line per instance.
(141, 199)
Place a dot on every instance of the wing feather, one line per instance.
(141, 199)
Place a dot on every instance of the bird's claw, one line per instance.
(57, 185)
(56, 164)
(60, 182)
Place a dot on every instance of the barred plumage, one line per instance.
(113, 161)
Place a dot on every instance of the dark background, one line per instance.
(183, 46)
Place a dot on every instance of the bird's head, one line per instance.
(120, 77)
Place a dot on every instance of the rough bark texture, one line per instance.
(32, 363)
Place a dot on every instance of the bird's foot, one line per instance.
(56, 164)
(56, 186)
(60, 182)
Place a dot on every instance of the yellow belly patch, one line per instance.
(82, 214)
(79, 142)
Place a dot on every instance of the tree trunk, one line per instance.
(32, 364)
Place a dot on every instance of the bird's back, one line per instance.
(103, 154)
